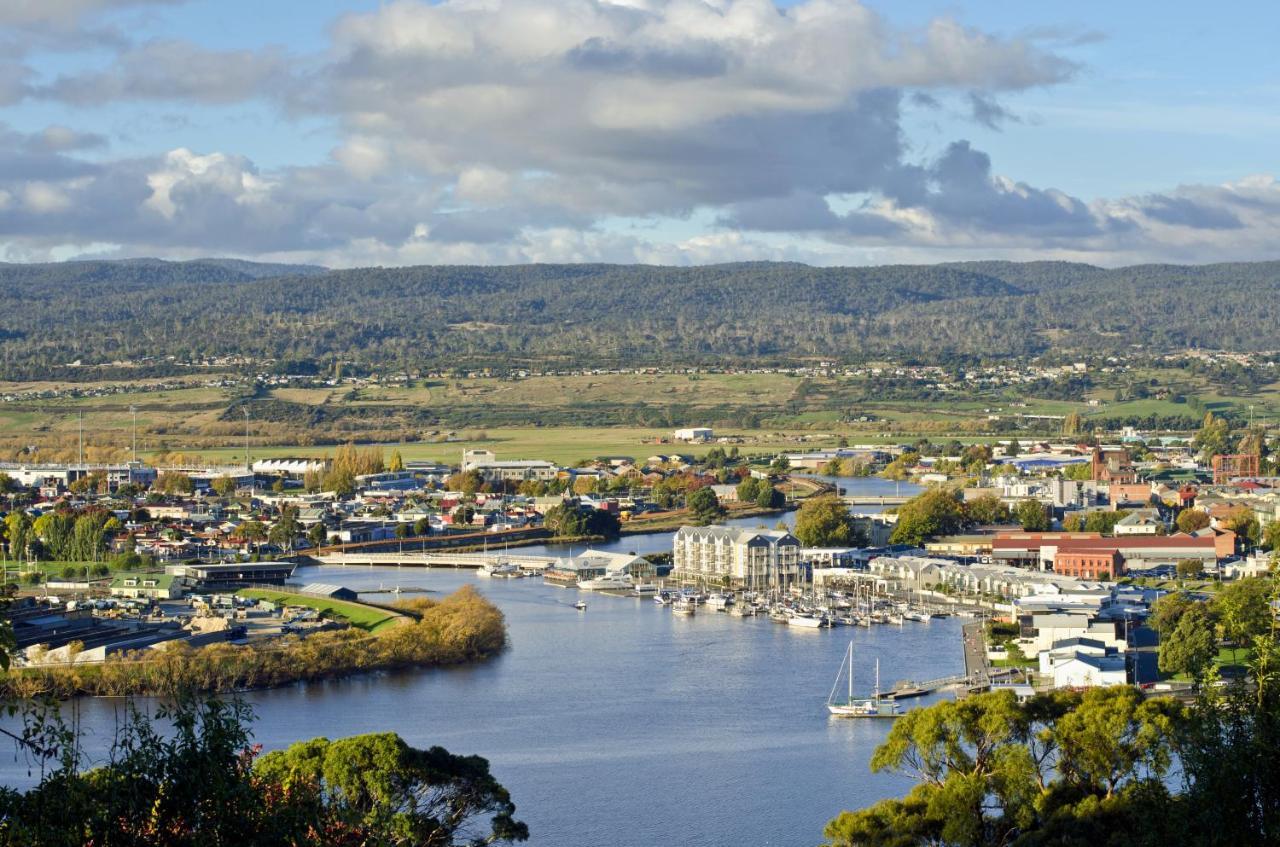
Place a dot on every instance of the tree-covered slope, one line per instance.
(99, 312)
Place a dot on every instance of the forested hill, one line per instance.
(537, 315)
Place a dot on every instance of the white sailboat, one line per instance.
(874, 706)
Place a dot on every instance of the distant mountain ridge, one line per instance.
(597, 314)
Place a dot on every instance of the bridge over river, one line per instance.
(876, 499)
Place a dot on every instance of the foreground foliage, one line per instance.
(460, 628)
(191, 777)
(1102, 767)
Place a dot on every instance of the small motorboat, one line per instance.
(581, 605)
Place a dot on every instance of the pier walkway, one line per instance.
(439, 559)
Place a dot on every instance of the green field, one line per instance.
(567, 418)
(364, 617)
(566, 445)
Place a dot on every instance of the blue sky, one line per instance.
(679, 131)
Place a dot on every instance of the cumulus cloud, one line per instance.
(526, 130)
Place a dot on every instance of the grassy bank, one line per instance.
(368, 618)
(463, 627)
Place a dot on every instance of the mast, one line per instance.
(851, 670)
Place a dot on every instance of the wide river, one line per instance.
(623, 725)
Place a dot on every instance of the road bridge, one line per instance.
(875, 500)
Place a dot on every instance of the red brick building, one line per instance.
(1088, 563)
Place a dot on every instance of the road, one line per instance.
(975, 653)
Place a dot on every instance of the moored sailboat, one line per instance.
(874, 706)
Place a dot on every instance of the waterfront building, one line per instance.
(748, 557)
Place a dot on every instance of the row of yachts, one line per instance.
(793, 612)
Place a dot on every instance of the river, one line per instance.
(623, 725)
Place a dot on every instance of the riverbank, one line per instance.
(462, 628)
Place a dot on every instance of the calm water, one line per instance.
(623, 725)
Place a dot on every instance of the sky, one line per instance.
(354, 133)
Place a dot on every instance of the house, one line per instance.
(148, 586)
(1085, 671)
(1145, 522)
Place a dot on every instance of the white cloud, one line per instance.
(43, 198)
(523, 130)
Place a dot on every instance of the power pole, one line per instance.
(134, 411)
(246, 439)
(82, 439)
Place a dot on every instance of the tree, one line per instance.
(173, 483)
(89, 536)
(569, 521)
(1243, 610)
(1189, 568)
(196, 782)
(987, 509)
(927, 515)
(224, 486)
(395, 463)
(316, 534)
(1071, 424)
(1191, 647)
(768, 497)
(780, 464)
(465, 482)
(286, 528)
(379, 784)
(57, 531)
(1080, 471)
(1166, 611)
(1032, 515)
(1244, 523)
(1063, 768)
(704, 505)
(1211, 440)
(251, 532)
(1191, 520)
(825, 521)
(749, 489)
